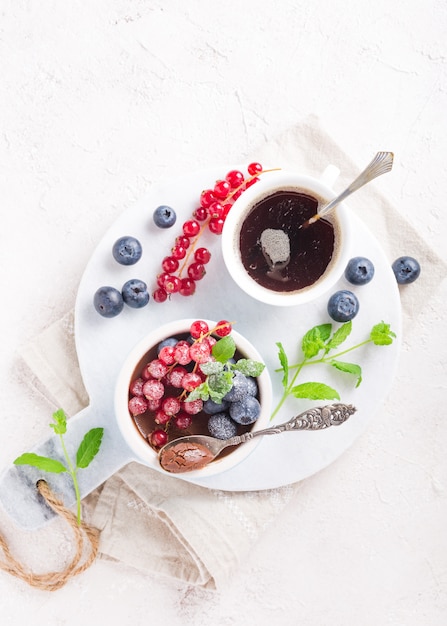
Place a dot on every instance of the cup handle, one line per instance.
(18, 493)
(330, 175)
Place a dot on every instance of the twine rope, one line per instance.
(86, 540)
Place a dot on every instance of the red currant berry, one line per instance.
(190, 381)
(153, 389)
(183, 421)
(221, 189)
(175, 376)
(136, 387)
(192, 407)
(215, 210)
(226, 210)
(234, 178)
(153, 404)
(191, 228)
(202, 255)
(161, 279)
(196, 271)
(158, 438)
(223, 328)
(211, 341)
(183, 241)
(198, 328)
(170, 405)
(200, 214)
(172, 284)
(159, 295)
(206, 197)
(157, 369)
(169, 264)
(178, 252)
(251, 182)
(237, 194)
(137, 406)
(166, 355)
(254, 168)
(161, 417)
(200, 351)
(187, 287)
(182, 355)
(216, 225)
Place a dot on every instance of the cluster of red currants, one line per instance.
(163, 386)
(214, 207)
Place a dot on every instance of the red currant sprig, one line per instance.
(186, 264)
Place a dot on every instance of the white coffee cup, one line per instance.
(268, 184)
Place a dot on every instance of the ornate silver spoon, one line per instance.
(381, 164)
(196, 451)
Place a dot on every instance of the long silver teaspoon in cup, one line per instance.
(381, 164)
(196, 451)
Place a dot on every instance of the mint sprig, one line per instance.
(220, 372)
(316, 345)
(88, 449)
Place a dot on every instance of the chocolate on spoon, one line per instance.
(195, 452)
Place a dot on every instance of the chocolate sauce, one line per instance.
(311, 247)
(185, 457)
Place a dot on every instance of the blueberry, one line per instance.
(135, 293)
(127, 250)
(359, 270)
(164, 216)
(343, 306)
(245, 411)
(170, 341)
(221, 426)
(210, 407)
(108, 301)
(406, 270)
(239, 389)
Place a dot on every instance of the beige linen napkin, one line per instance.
(186, 532)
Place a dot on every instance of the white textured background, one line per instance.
(98, 99)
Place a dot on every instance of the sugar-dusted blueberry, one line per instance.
(127, 250)
(221, 426)
(108, 301)
(164, 216)
(343, 306)
(406, 269)
(135, 293)
(239, 389)
(359, 270)
(245, 411)
(211, 408)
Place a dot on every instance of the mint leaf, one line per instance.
(340, 335)
(349, 368)
(248, 367)
(219, 385)
(41, 462)
(89, 447)
(60, 425)
(382, 335)
(202, 392)
(284, 364)
(314, 340)
(224, 349)
(315, 391)
(211, 367)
